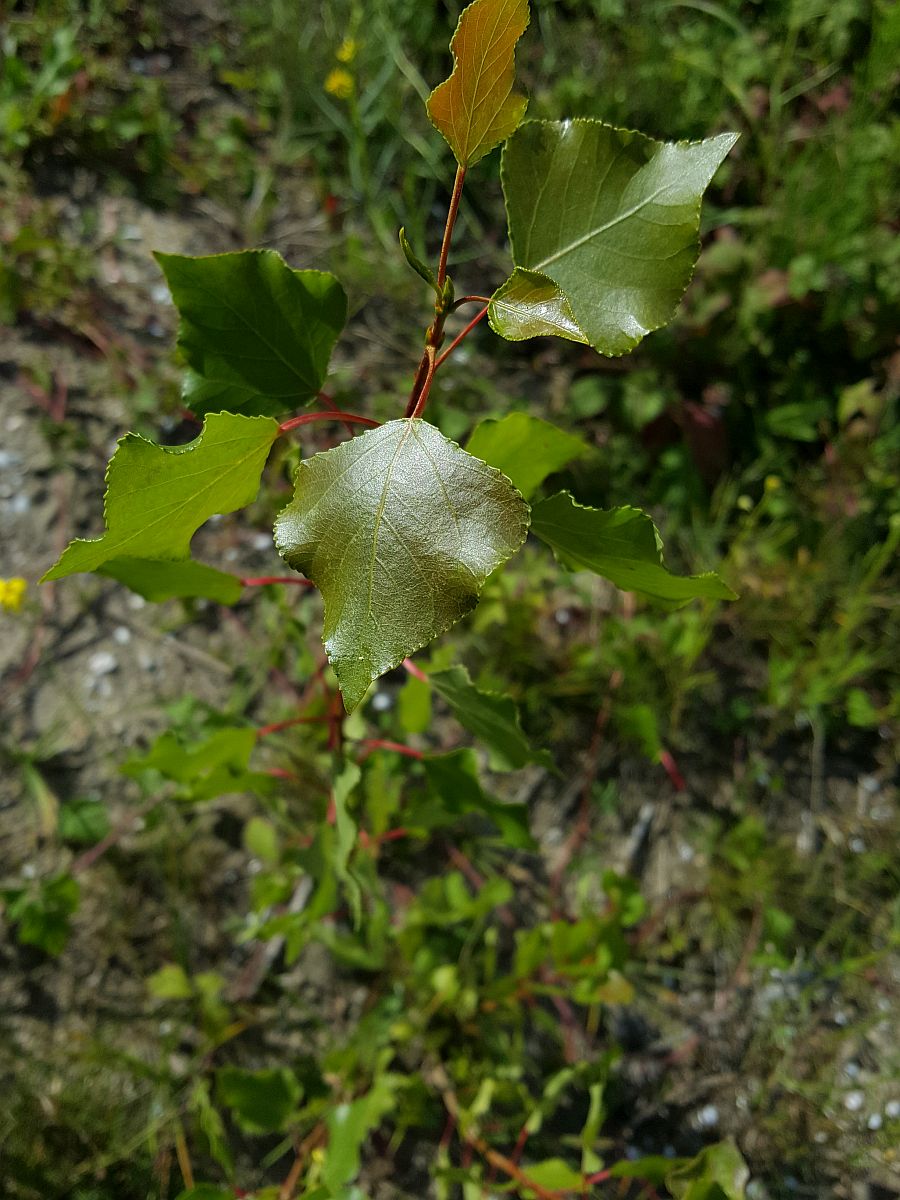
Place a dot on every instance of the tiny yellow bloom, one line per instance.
(12, 593)
(339, 83)
(347, 50)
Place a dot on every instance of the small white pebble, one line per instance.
(19, 504)
(874, 1122)
(686, 853)
(892, 1110)
(160, 294)
(821, 1137)
(136, 602)
(261, 541)
(854, 1101)
(851, 1069)
(563, 616)
(104, 662)
(857, 845)
(381, 702)
(122, 635)
(29, 870)
(869, 783)
(232, 554)
(840, 1018)
(707, 1117)
(14, 422)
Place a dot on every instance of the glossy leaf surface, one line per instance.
(611, 217)
(476, 108)
(398, 528)
(157, 580)
(621, 544)
(491, 717)
(531, 305)
(256, 333)
(157, 497)
(525, 448)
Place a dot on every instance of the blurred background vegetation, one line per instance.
(745, 780)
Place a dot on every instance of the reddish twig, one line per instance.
(335, 415)
(373, 744)
(671, 769)
(416, 672)
(452, 214)
(265, 580)
(460, 337)
(277, 726)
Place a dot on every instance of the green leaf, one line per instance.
(621, 544)
(454, 780)
(157, 580)
(261, 840)
(256, 333)
(345, 836)
(717, 1173)
(158, 496)
(476, 108)
(348, 1127)
(531, 305)
(262, 1101)
(213, 767)
(170, 983)
(83, 821)
(398, 528)
(610, 217)
(526, 449)
(491, 717)
(555, 1175)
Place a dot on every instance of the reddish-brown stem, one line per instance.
(670, 767)
(469, 300)
(277, 726)
(265, 580)
(335, 415)
(372, 744)
(452, 214)
(460, 337)
(412, 669)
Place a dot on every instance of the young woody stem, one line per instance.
(308, 418)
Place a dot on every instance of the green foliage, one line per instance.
(398, 528)
(41, 912)
(261, 1101)
(256, 334)
(157, 496)
(525, 448)
(492, 718)
(613, 224)
(621, 544)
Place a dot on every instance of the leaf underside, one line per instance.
(398, 528)
(256, 334)
(158, 496)
(621, 544)
(604, 226)
(157, 579)
(476, 108)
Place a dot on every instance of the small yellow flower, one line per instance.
(347, 50)
(339, 83)
(12, 593)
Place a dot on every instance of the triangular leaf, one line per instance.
(491, 717)
(531, 305)
(476, 108)
(399, 528)
(257, 334)
(525, 448)
(157, 497)
(454, 779)
(621, 544)
(608, 215)
(157, 580)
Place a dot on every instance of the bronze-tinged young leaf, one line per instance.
(621, 544)
(157, 497)
(399, 528)
(476, 108)
(256, 334)
(604, 225)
